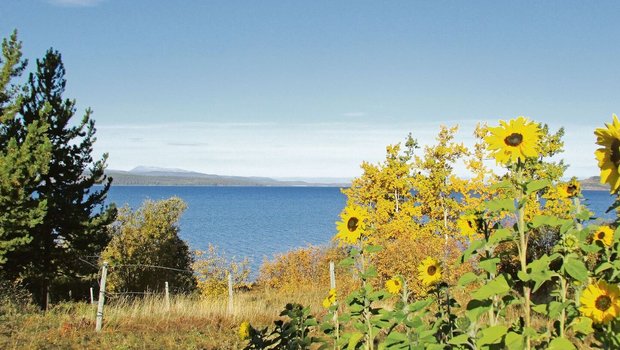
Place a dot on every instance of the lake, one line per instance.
(258, 222)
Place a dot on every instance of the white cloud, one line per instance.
(289, 150)
(75, 3)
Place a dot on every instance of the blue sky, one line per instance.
(313, 88)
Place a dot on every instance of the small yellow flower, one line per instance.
(604, 234)
(429, 272)
(600, 302)
(608, 155)
(468, 224)
(330, 299)
(513, 141)
(394, 285)
(244, 330)
(353, 225)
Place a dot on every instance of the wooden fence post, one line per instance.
(92, 297)
(332, 275)
(230, 293)
(167, 297)
(104, 276)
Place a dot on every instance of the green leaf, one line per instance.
(507, 204)
(602, 267)
(539, 271)
(459, 339)
(540, 220)
(561, 344)
(513, 341)
(473, 248)
(496, 286)
(372, 248)
(500, 235)
(346, 262)
(475, 308)
(491, 335)
(467, 278)
(577, 269)
(536, 185)
(370, 272)
(489, 264)
(555, 308)
(354, 339)
(582, 325)
(502, 184)
(541, 309)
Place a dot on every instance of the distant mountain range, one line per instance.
(593, 184)
(154, 176)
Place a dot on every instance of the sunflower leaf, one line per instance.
(467, 279)
(602, 267)
(372, 248)
(459, 339)
(346, 262)
(540, 220)
(582, 325)
(500, 235)
(473, 247)
(576, 269)
(513, 341)
(507, 204)
(561, 344)
(501, 185)
(491, 335)
(496, 286)
(536, 185)
(490, 264)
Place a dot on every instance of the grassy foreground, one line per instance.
(190, 323)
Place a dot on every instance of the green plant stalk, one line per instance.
(563, 300)
(523, 253)
(577, 204)
(336, 329)
(366, 313)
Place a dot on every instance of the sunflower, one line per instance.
(569, 189)
(513, 141)
(608, 156)
(330, 299)
(604, 234)
(429, 271)
(600, 302)
(352, 226)
(244, 330)
(468, 224)
(394, 285)
(569, 242)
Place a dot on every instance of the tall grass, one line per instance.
(190, 322)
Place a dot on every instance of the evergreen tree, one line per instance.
(74, 226)
(23, 158)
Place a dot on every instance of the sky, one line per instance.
(313, 88)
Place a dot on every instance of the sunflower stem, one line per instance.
(523, 248)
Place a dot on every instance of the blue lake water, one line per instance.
(258, 222)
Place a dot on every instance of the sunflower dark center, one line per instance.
(615, 152)
(352, 224)
(601, 235)
(513, 139)
(431, 270)
(603, 302)
(571, 189)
